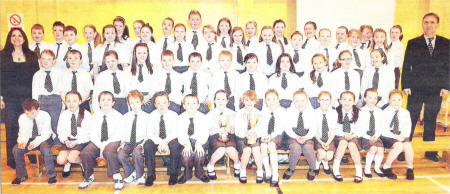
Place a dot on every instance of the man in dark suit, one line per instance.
(425, 77)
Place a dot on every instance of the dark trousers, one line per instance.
(111, 156)
(52, 104)
(13, 109)
(46, 151)
(138, 159)
(432, 106)
(296, 149)
(194, 160)
(150, 149)
(88, 159)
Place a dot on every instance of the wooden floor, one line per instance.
(431, 177)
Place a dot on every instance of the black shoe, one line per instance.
(287, 176)
(338, 177)
(317, 172)
(380, 174)
(363, 159)
(357, 179)
(368, 175)
(212, 175)
(204, 179)
(236, 173)
(173, 180)
(65, 174)
(259, 180)
(309, 176)
(149, 181)
(344, 160)
(401, 157)
(52, 180)
(433, 156)
(410, 174)
(389, 174)
(267, 179)
(17, 181)
(243, 180)
(327, 171)
(183, 179)
(274, 183)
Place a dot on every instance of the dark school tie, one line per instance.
(37, 50)
(90, 53)
(271, 127)
(240, 59)
(430, 46)
(357, 61)
(226, 83)
(133, 132)
(371, 131)
(282, 46)
(304, 44)
(296, 56)
(376, 77)
(104, 131)
(300, 130)
(68, 50)
(328, 57)
(347, 81)
(209, 52)
(325, 129)
(284, 83)
(104, 53)
(180, 53)
(191, 126)
(319, 80)
(195, 40)
(252, 82)
(248, 42)
(34, 132)
(140, 76)
(269, 55)
(362, 45)
(116, 84)
(165, 44)
(57, 49)
(162, 128)
(48, 82)
(346, 124)
(395, 124)
(223, 43)
(73, 125)
(337, 46)
(168, 85)
(390, 46)
(74, 81)
(194, 84)
(385, 60)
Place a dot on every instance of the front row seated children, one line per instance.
(326, 120)
(133, 138)
(347, 132)
(193, 138)
(371, 125)
(105, 135)
(395, 135)
(273, 123)
(34, 134)
(300, 132)
(247, 137)
(222, 138)
(73, 131)
(162, 137)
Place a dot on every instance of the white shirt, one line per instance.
(147, 84)
(311, 45)
(389, 56)
(354, 80)
(331, 116)
(121, 49)
(104, 82)
(84, 57)
(84, 82)
(303, 64)
(65, 127)
(404, 119)
(42, 46)
(141, 126)
(216, 48)
(293, 84)
(234, 51)
(203, 81)
(218, 82)
(386, 82)
(38, 83)
(364, 58)
(115, 124)
(85, 50)
(341, 47)
(171, 122)
(260, 50)
(242, 121)
(160, 42)
(226, 39)
(186, 49)
(313, 90)
(280, 126)
(201, 128)
(243, 84)
(309, 122)
(253, 41)
(43, 121)
(354, 129)
(190, 35)
(176, 84)
(59, 53)
(397, 53)
(216, 119)
(364, 121)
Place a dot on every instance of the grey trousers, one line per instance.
(46, 151)
(88, 159)
(138, 159)
(296, 149)
(111, 156)
(193, 159)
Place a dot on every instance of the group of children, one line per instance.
(198, 92)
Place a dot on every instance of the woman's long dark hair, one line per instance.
(6, 53)
(147, 61)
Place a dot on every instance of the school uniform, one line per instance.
(360, 59)
(45, 89)
(88, 49)
(193, 129)
(126, 41)
(194, 38)
(283, 45)
(36, 132)
(310, 46)
(105, 139)
(162, 127)
(244, 82)
(142, 81)
(79, 80)
(301, 124)
(224, 42)
(122, 51)
(339, 47)
(277, 119)
(197, 83)
(323, 132)
(181, 52)
(365, 45)
(133, 137)
(224, 80)
(105, 82)
(210, 55)
(163, 43)
(170, 82)
(301, 63)
(286, 84)
(329, 52)
(58, 49)
(154, 54)
(238, 52)
(347, 81)
(72, 128)
(84, 58)
(313, 89)
(397, 54)
(347, 127)
(251, 42)
(388, 58)
(268, 54)
(242, 125)
(396, 123)
(38, 47)
(220, 119)
(386, 79)
(368, 130)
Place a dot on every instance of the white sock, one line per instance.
(243, 173)
(317, 165)
(259, 173)
(369, 159)
(67, 167)
(117, 176)
(325, 165)
(386, 166)
(274, 162)
(210, 168)
(266, 165)
(378, 160)
(336, 166)
(358, 169)
(237, 165)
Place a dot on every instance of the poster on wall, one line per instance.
(15, 20)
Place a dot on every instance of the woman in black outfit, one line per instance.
(18, 65)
